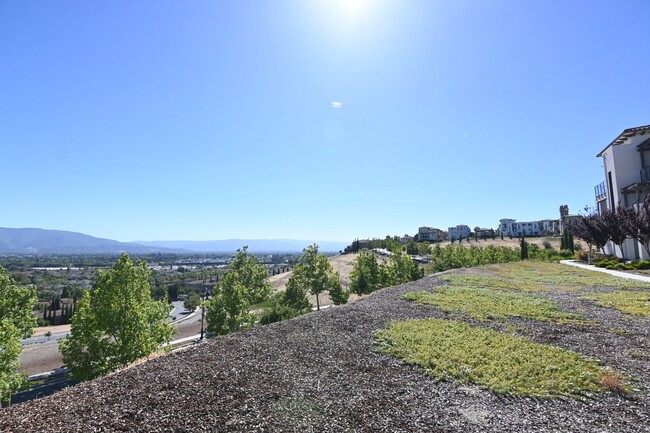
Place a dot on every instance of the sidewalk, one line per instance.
(607, 271)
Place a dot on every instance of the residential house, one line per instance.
(461, 231)
(430, 234)
(514, 228)
(626, 163)
(405, 239)
(483, 233)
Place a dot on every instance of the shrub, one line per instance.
(641, 264)
(619, 267)
(547, 245)
(605, 263)
(614, 382)
(582, 255)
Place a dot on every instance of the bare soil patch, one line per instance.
(511, 243)
(341, 263)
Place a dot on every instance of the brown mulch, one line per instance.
(319, 372)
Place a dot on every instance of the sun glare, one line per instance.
(353, 7)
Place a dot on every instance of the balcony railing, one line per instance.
(601, 191)
(645, 174)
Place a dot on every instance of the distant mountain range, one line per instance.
(40, 241)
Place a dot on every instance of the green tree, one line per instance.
(365, 276)
(192, 301)
(523, 249)
(116, 323)
(412, 247)
(404, 269)
(392, 244)
(337, 293)
(423, 248)
(315, 273)
(228, 309)
(292, 303)
(16, 322)
(295, 295)
(252, 275)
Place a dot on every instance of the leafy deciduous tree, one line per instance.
(16, 322)
(613, 221)
(315, 272)
(193, 300)
(116, 323)
(337, 293)
(637, 224)
(365, 276)
(228, 309)
(592, 230)
(404, 269)
(252, 275)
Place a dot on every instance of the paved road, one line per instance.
(56, 379)
(41, 354)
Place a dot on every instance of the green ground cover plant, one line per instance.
(502, 363)
(538, 276)
(556, 275)
(626, 301)
(492, 281)
(488, 304)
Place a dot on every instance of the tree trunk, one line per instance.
(317, 303)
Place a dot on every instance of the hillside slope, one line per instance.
(319, 372)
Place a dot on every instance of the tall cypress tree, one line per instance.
(523, 249)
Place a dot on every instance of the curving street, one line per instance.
(41, 354)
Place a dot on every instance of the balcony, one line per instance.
(601, 191)
(645, 175)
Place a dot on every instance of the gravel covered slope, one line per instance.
(319, 373)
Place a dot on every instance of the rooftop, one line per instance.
(630, 132)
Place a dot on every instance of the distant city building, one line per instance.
(549, 227)
(512, 227)
(430, 234)
(405, 239)
(365, 243)
(461, 231)
(483, 233)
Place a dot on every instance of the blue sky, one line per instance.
(161, 120)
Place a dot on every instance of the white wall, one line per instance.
(624, 161)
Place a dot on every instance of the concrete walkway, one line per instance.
(607, 271)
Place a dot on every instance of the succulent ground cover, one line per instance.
(487, 304)
(322, 372)
(626, 301)
(500, 362)
(539, 276)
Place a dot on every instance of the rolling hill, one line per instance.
(41, 241)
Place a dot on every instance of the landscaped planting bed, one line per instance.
(324, 372)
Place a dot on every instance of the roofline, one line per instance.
(629, 132)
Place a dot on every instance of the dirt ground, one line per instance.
(341, 263)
